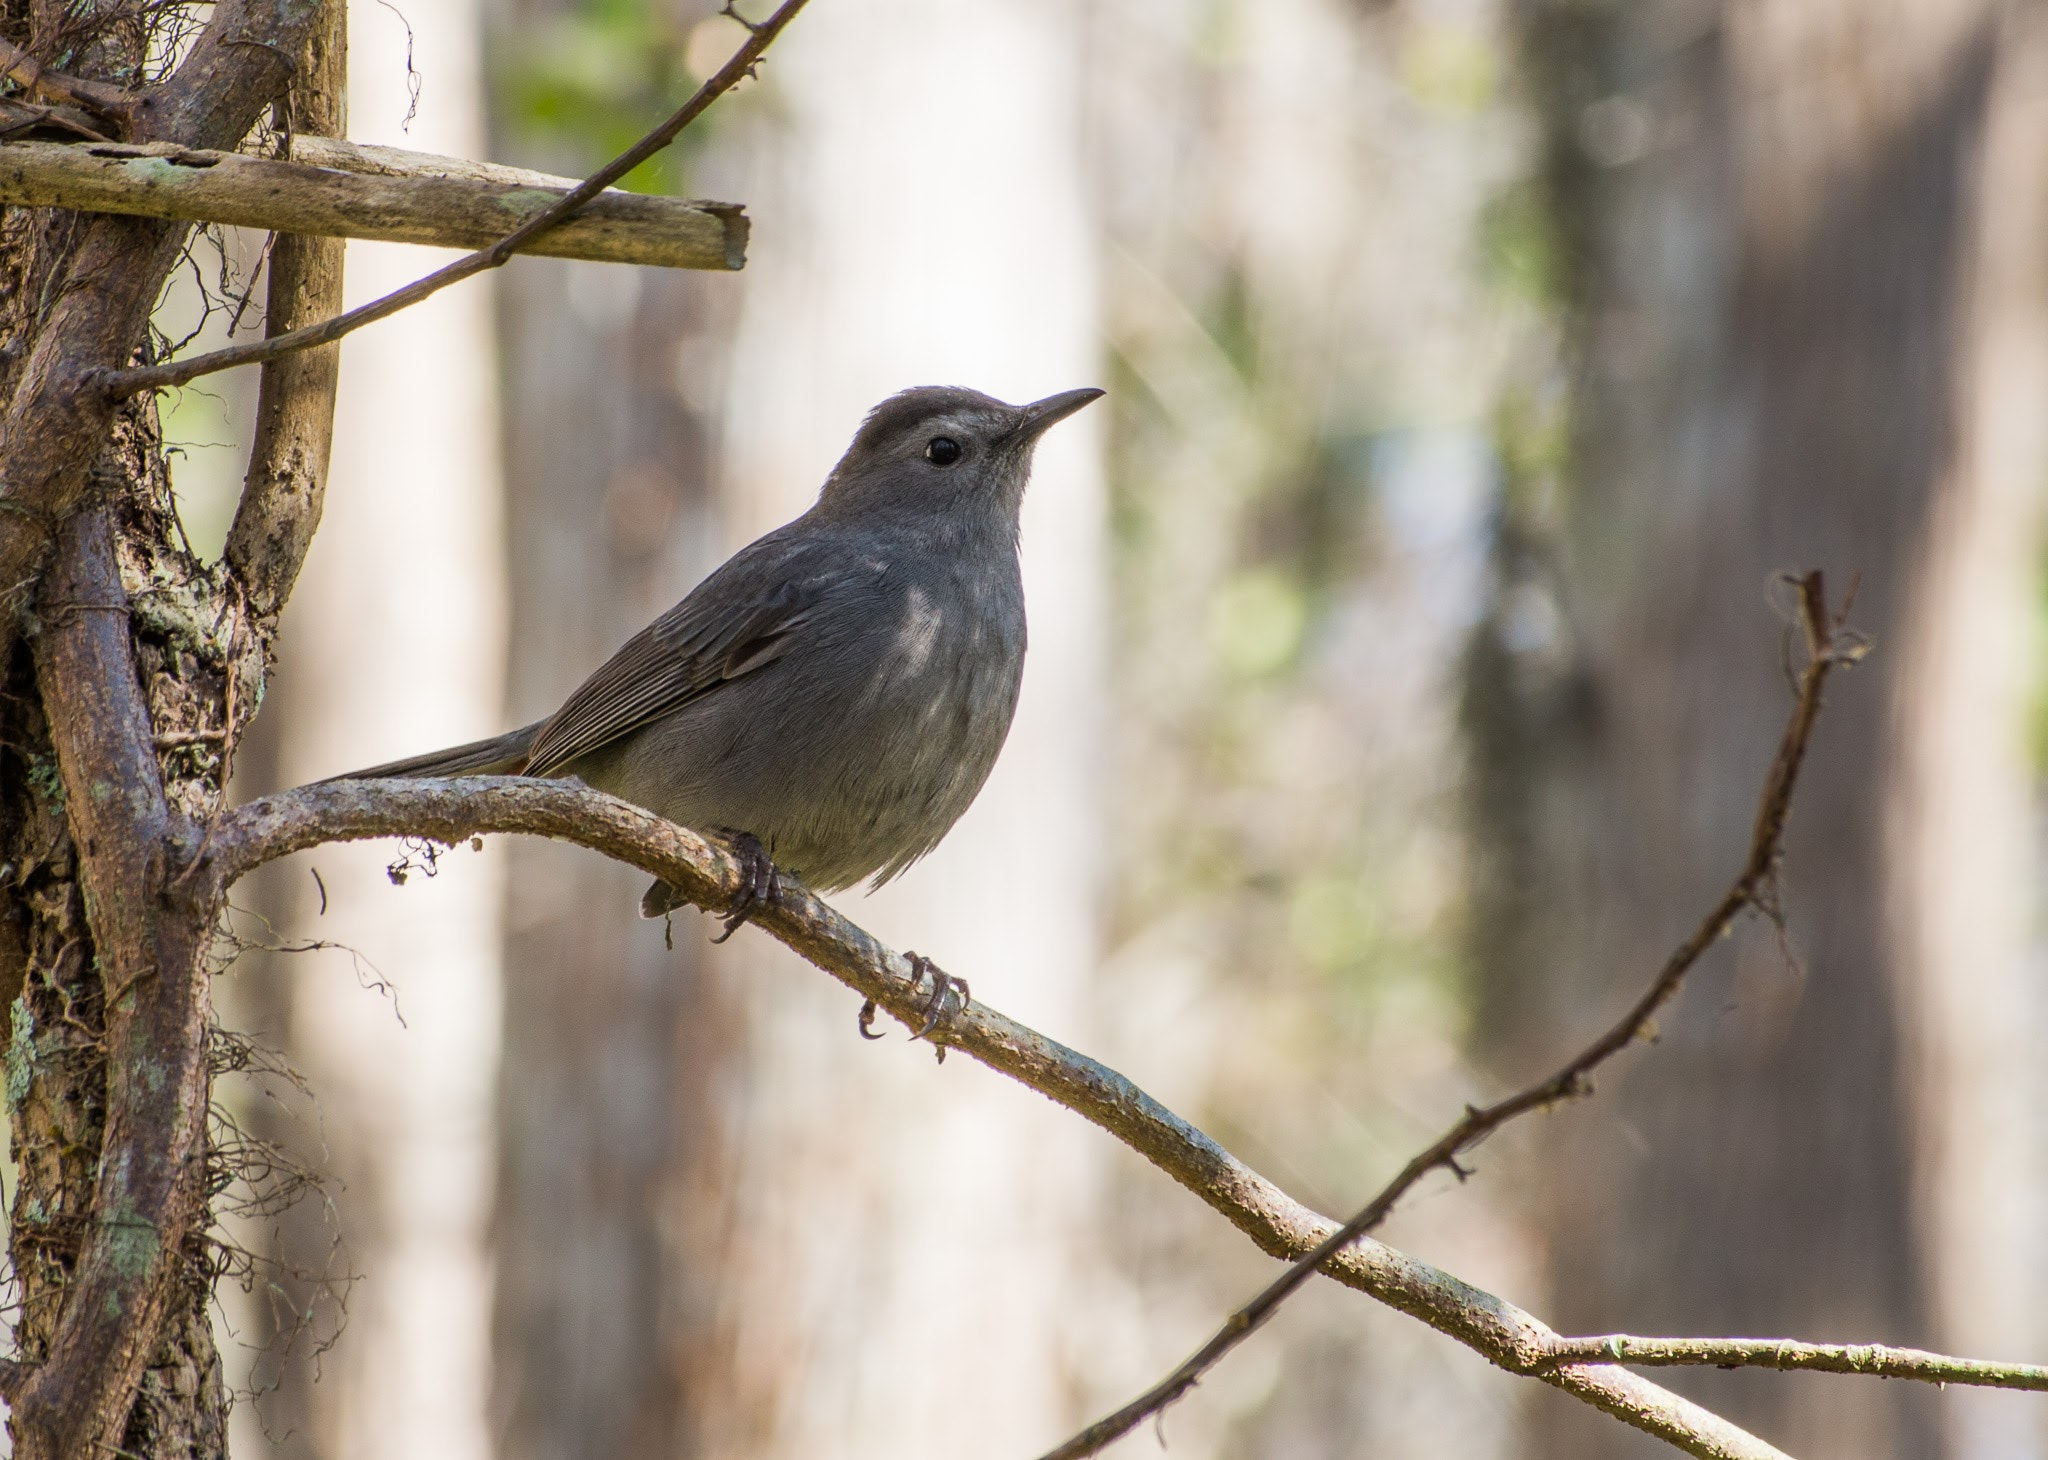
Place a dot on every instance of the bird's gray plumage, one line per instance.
(841, 687)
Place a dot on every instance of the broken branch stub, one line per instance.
(385, 200)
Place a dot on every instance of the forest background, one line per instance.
(1405, 659)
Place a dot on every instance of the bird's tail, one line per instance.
(502, 755)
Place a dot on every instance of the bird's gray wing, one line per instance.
(735, 622)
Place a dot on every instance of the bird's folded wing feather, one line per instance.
(718, 633)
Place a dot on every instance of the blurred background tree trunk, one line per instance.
(618, 1051)
(1790, 349)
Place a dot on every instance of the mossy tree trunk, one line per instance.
(130, 670)
(188, 644)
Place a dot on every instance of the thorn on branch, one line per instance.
(1848, 601)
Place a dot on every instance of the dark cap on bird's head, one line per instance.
(931, 442)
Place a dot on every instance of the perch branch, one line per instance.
(1828, 644)
(161, 180)
(454, 811)
(1873, 1360)
(122, 383)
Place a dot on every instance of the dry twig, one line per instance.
(1828, 644)
(1874, 1360)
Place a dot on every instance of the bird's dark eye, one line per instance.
(942, 450)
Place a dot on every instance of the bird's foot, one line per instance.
(760, 883)
(950, 995)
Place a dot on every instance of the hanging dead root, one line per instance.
(276, 1233)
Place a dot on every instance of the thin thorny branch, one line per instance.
(119, 384)
(1874, 1360)
(1829, 643)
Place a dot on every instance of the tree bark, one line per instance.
(110, 1034)
(286, 485)
(1767, 220)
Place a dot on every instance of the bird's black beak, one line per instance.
(1054, 408)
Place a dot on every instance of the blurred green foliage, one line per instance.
(1449, 68)
(1518, 246)
(1258, 619)
(582, 84)
(2037, 689)
(1331, 315)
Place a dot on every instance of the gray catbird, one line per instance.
(833, 697)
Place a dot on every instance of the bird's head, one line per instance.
(944, 447)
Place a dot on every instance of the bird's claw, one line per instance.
(949, 997)
(760, 883)
(941, 1006)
